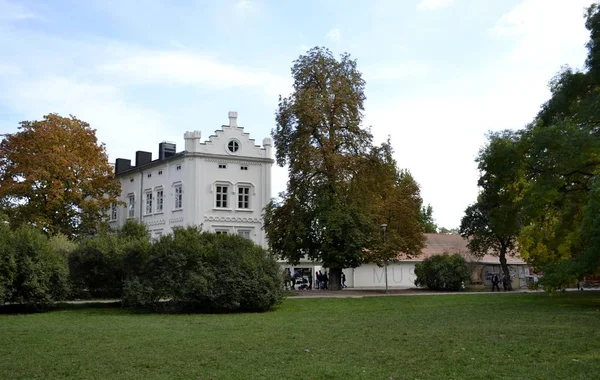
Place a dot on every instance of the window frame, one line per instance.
(160, 201)
(148, 202)
(243, 190)
(130, 206)
(178, 196)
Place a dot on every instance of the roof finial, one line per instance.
(233, 118)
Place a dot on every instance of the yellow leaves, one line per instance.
(49, 168)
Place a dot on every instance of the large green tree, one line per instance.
(491, 224)
(55, 176)
(562, 163)
(339, 184)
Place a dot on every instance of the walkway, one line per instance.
(360, 293)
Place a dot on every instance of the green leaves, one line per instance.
(341, 188)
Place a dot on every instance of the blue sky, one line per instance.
(440, 73)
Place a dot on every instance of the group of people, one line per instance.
(321, 280)
(496, 282)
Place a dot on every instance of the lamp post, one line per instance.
(384, 228)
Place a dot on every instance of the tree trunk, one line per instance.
(505, 268)
(335, 279)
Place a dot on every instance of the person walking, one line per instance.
(310, 279)
(343, 280)
(495, 282)
(325, 280)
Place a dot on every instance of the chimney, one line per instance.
(142, 158)
(267, 144)
(232, 118)
(122, 165)
(165, 150)
(192, 141)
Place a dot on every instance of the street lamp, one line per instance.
(383, 228)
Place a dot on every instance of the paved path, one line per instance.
(360, 293)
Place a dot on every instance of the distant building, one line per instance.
(401, 272)
(221, 184)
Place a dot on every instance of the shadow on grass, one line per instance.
(33, 309)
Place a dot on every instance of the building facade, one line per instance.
(220, 185)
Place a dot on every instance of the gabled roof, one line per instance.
(438, 244)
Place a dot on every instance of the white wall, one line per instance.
(198, 174)
(400, 275)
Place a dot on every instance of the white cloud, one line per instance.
(14, 12)
(398, 71)
(433, 5)
(243, 4)
(117, 121)
(188, 69)
(334, 35)
(543, 28)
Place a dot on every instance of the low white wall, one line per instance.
(400, 275)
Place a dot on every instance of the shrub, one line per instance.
(204, 272)
(443, 272)
(31, 272)
(101, 263)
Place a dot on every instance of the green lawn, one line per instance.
(447, 337)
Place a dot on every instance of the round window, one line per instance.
(233, 146)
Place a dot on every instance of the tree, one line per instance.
(55, 176)
(331, 211)
(491, 224)
(448, 231)
(562, 162)
(429, 226)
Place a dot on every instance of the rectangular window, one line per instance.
(222, 196)
(222, 166)
(243, 167)
(221, 232)
(178, 167)
(113, 211)
(160, 172)
(244, 234)
(157, 235)
(131, 206)
(178, 196)
(130, 179)
(159, 200)
(149, 203)
(244, 197)
(149, 175)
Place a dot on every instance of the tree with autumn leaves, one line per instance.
(341, 187)
(55, 176)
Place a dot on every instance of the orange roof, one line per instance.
(438, 244)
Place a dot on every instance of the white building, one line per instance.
(221, 184)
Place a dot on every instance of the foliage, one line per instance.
(443, 272)
(340, 187)
(31, 272)
(101, 263)
(491, 224)
(55, 176)
(448, 231)
(206, 272)
(429, 226)
(562, 160)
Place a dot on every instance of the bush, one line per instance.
(443, 272)
(31, 272)
(204, 272)
(101, 263)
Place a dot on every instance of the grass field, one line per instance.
(482, 336)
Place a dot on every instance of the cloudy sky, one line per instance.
(440, 73)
